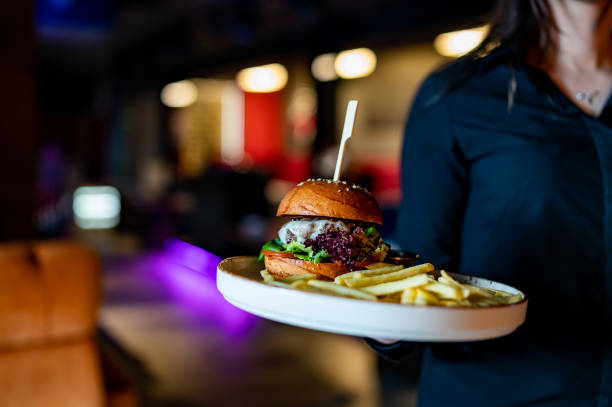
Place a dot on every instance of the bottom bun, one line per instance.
(287, 266)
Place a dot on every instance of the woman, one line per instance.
(507, 174)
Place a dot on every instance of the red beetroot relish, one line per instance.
(343, 246)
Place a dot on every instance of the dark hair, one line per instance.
(524, 28)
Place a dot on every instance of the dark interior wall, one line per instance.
(18, 123)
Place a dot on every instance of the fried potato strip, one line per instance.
(386, 282)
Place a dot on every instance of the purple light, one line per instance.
(191, 256)
(189, 273)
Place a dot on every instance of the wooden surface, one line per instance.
(197, 359)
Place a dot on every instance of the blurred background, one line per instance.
(161, 135)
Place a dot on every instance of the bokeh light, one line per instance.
(96, 207)
(179, 94)
(355, 63)
(323, 67)
(232, 124)
(457, 43)
(263, 79)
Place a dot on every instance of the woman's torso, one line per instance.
(537, 194)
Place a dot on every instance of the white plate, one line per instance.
(239, 281)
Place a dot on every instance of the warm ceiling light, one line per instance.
(323, 67)
(457, 43)
(355, 63)
(179, 94)
(263, 79)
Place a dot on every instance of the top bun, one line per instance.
(331, 199)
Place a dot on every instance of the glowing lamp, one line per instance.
(179, 94)
(322, 67)
(457, 43)
(355, 63)
(263, 79)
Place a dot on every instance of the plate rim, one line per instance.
(468, 335)
(221, 264)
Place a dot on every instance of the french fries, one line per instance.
(366, 273)
(446, 291)
(472, 291)
(279, 284)
(341, 290)
(267, 277)
(424, 297)
(298, 277)
(385, 282)
(408, 296)
(361, 280)
(379, 266)
(400, 285)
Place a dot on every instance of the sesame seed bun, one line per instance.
(285, 266)
(331, 199)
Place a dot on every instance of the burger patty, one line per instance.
(304, 229)
(348, 243)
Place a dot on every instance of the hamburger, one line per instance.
(331, 231)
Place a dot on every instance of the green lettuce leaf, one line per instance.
(372, 233)
(302, 256)
(321, 255)
(274, 245)
(299, 250)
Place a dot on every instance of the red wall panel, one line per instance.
(263, 127)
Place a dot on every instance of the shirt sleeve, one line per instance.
(434, 188)
(434, 181)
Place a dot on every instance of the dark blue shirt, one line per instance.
(519, 190)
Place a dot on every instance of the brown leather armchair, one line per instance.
(49, 295)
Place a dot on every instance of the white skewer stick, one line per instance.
(347, 132)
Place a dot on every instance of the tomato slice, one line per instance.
(279, 254)
(358, 265)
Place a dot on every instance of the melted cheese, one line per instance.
(303, 229)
